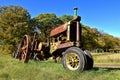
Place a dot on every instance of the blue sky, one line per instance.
(101, 14)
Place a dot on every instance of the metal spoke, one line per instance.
(24, 49)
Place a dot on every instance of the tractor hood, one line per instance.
(59, 30)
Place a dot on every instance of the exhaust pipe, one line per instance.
(75, 11)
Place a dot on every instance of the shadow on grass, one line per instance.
(105, 69)
(5, 76)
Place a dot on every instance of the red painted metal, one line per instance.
(58, 30)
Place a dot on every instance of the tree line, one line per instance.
(16, 21)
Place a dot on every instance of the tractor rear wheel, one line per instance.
(25, 49)
(74, 59)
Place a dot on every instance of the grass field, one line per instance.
(13, 69)
(107, 58)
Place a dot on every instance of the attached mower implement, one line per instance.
(64, 42)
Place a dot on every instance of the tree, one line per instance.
(66, 18)
(14, 23)
(47, 22)
(89, 37)
(94, 39)
(110, 41)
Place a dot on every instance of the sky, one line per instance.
(101, 14)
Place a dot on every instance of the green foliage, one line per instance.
(110, 41)
(93, 39)
(89, 37)
(46, 22)
(14, 23)
(66, 18)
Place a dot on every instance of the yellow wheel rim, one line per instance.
(72, 61)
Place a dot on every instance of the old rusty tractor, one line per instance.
(64, 43)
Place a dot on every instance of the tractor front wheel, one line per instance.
(74, 59)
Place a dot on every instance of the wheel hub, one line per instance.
(72, 61)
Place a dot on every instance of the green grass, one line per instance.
(108, 58)
(13, 69)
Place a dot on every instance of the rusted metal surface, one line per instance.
(24, 49)
(58, 30)
(65, 45)
(41, 46)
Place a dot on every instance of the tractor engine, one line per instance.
(66, 35)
